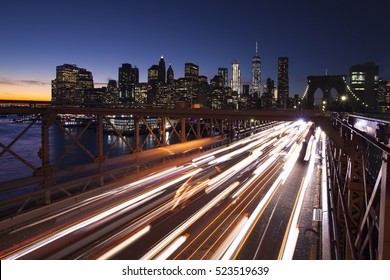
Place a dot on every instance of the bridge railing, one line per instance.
(359, 193)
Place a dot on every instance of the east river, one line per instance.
(28, 145)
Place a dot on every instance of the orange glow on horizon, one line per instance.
(23, 92)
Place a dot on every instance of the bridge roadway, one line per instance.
(242, 201)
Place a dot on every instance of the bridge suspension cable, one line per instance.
(305, 93)
(352, 94)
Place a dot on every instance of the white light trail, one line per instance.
(293, 231)
(245, 229)
(174, 234)
(257, 173)
(109, 254)
(171, 248)
(230, 155)
(229, 173)
(326, 254)
(308, 149)
(289, 165)
(228, 241)
(199, 161)
(129, 204)
(43, 242)
(289, 250)
(152, 177)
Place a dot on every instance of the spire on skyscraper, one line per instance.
(256, 74)
(161, 70)
(170, 75)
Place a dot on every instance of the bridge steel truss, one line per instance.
(358, 164)
(359, 192)
(158, 125)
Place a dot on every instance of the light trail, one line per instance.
(253, 193)
(257, 173)
(236, 245)
(225, 245)
(168, 239)
(61, 233)
(245, 166)
(291, 235)
(129, 204)
(171, 248)
(109, 254)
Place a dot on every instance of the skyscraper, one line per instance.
(283, 86)
(84, 83)
(70, 85)
(161, 70)
(269, 87)
(191, 71)
(112, 91)
(223, 72)
(236, 77)
(364, 82)
(153, 74)
(170, 75)
(127, 79)
(245, 90)
(256, 74)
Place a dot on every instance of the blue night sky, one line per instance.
(36, 36)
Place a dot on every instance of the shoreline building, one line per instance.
(70, 85)
(256, 75)
(128, 78)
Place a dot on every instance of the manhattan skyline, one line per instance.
(318, 37)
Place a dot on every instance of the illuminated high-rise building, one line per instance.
(256, 74)
(245, 90)
(153, 72)
(236, 77)
(191, 71)
(283, 85)
(223, 72)
(161, 71)
(84, 80)
(70, 85)
(364, 82)
(112, 91)
(127, 79)
(170, 75)
(84, 83)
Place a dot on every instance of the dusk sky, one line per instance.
(98, 35)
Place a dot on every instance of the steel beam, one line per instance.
(99, 147)
(384, 214)
(183, 130)
(44, 154)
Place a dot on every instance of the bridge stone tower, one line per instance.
(325, 83)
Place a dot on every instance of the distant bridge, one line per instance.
(28, 103)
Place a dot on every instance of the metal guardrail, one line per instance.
(360, 193)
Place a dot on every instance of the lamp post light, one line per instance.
(323, 105)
